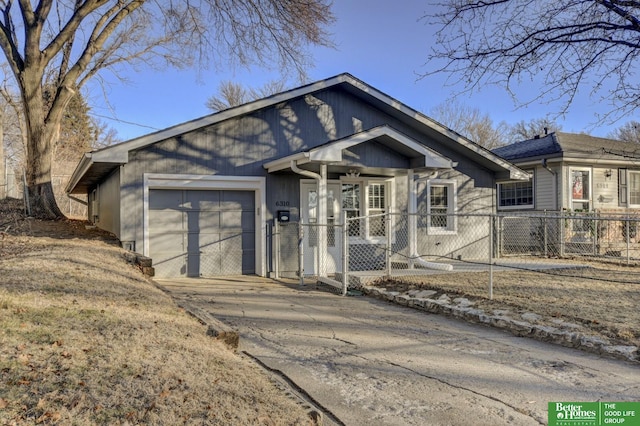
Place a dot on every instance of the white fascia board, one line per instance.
(119, 153)
(333, 152)
(418, 116)
(285, 162)
(211, 119)
(115, 156)
(516, 173)
(82, 168)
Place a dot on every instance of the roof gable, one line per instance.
(334, 151)
(119, 154)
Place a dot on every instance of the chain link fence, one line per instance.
(570, 234)
(416, 247)
(12, 186)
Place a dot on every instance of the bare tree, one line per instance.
(229, 94)
(105, 135)
(628, 132)
(471, 123)
(524, 130)
(232, 94)
(77, 39)
(14, 126)
(560, 46)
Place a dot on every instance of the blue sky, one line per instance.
(381, 42)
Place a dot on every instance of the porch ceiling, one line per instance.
(333, 153)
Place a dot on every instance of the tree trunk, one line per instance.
(40, 137)
(4, 187)
(41, 196)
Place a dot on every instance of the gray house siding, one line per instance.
(546, 188)
(240, 146)
(470, 239)
(249, 162)
(105, 204)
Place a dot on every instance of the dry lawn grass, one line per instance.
(603, 298)
(86, 339)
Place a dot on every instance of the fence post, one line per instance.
(594, 227)
(301, 252)
(388, 250)
(276, 248)
(492, 227)
(25, 193)
(345, 254)
(545, 235)
(628, 238)
(562, 224)
(498, 229)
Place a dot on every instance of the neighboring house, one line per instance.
(583, 196)
(200, 198)
(572, 172)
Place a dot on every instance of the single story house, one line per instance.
(589, 185)
(572, 172)
(200, 197)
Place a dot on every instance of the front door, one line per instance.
(330, 260)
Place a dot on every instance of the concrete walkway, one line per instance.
(367, 362)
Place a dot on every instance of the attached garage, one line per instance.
(203, 227)
(198, 233)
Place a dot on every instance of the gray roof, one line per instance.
(574, 145)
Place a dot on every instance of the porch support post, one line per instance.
(412, 220)
(322, 222)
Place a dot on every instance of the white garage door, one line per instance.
(201, 233)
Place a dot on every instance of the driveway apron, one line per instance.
(368, 362)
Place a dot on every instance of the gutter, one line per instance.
(307, 173)
(83, 166)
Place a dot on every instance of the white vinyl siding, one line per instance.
(545, 190)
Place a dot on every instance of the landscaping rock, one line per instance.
(533, 325)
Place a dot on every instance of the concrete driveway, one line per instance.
(367, 362)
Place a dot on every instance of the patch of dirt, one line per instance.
(13, 221)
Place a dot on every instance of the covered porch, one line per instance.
(349, 190)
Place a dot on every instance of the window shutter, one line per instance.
(622, 187)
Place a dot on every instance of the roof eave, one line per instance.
(81, 169)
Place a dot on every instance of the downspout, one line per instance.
(307, 173)
(555, 183)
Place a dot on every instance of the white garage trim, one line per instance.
(209, 182)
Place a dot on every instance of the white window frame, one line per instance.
(519, 206)
(589, 198)
(452, 200)
(627, 187)
(389, 199)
